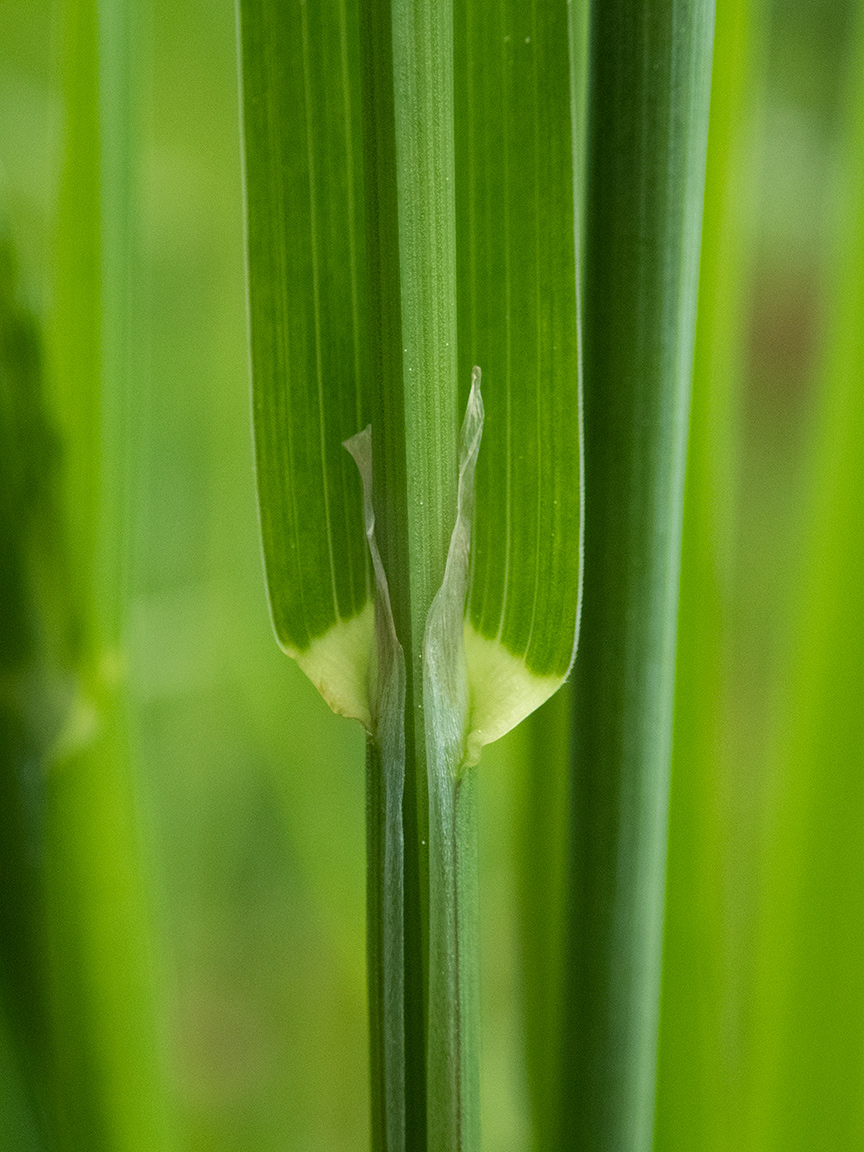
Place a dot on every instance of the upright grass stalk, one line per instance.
(410, 197)
(695, 1103)
(358, 320)
(107, 1076)
(649, 81)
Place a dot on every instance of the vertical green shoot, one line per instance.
(694, 1110)
(108, 1091)
(648, 95)
(408, 126)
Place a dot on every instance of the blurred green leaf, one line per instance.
(808, 1008)
(27, 712)
(695, 1108)
(108, 1091)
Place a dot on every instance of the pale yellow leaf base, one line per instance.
(503, 691)
(339, 664)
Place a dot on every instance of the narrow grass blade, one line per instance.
(695, 1106)
(807, 1057)
(648, 99)
(518, 321)
(407, 49)
(308, 322)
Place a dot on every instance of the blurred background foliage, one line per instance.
(250, 794)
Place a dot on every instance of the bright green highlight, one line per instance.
(697, 1099)
(808, 1018)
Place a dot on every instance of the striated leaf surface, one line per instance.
(518, 321)
(307, 302)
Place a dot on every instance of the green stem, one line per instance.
(407, 50)
(454, 1113)
(386, 1097)
(695, 1094)
(648, 115)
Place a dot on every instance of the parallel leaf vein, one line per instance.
(273, 116)
(313, 228)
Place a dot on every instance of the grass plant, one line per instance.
(429, 696)
(480, 215)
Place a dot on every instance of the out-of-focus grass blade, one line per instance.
(108, 1092)
(648, 96)
(18, 1123)
(807, 1055)
(518, 321)
(307, 300)
(693, 1111)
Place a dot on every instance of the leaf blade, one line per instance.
(308, 324)
(518, 320)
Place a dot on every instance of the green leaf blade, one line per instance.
(518, 320)
(307, 302)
